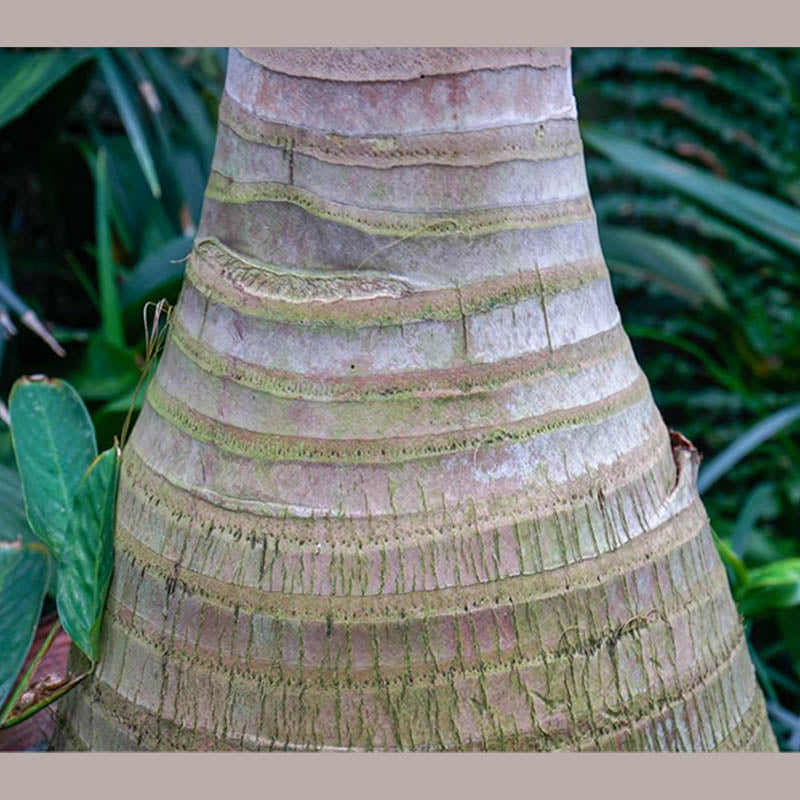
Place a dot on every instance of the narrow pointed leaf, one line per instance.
(661, 261)
(186, 99)
(12, 300)
(28, 317)
(774, 220)
(125, 101)
(84, 572)
(54, 443)
(23, 579)
(748, 441)
(27, 76)
(145, 86)
(106, 271)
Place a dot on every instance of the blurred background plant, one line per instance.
(695, 174)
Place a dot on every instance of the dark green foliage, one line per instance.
(698, 147)
(104, 157)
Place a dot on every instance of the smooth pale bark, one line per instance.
(399, 482)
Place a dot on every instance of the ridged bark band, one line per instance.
(399, 482)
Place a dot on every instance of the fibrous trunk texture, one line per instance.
(399, 482)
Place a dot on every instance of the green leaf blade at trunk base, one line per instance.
(85, 570)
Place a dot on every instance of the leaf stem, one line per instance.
(29, 673)
(46, 701)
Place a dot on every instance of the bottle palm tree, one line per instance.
(399, 481)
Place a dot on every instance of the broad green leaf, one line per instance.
(105, 370)
(155, 274)
(771, 587)
(27, 76)
(662, 261)
(774, 220)
(735, 452)
(13, 523)
(84, 572)
(110, 312)
(125, 100)
(54, 442)
(24, 569)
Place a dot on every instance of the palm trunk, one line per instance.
(399, 482)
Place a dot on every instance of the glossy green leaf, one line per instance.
(772, 587)
(27, 76)
(770, 218)
(84, 572)
(735, 452)
(13, 523)
(24, 569)
(125, 100)
(54, 442)
(662, 261)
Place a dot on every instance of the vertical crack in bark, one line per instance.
(428, 505)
